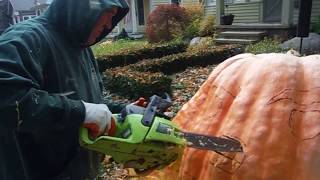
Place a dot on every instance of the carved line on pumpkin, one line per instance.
(291, 124)
(283, 96)
(235, 163)
(302, 108)
(228, 92)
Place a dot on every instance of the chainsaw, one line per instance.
(145, 138)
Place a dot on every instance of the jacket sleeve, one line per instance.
(24, 105)
(114, 107)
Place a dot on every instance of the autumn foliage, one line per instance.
(166, 22)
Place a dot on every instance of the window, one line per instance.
(176, 1)
(28, 17)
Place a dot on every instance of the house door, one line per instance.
(136, 19)
(272, 11)
(140, 13)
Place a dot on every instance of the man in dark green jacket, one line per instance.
(50, 87)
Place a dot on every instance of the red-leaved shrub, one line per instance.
(166, 22)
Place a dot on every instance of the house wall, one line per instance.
(315, 13)
(245, 12)
(155, 3)
(189, 2)
(210, 9)
(249, 12)
(252, 12)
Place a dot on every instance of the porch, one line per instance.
(247, 33)
(257, 12)
(272, 18)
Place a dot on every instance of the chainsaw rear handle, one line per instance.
(164, 102)
(156, 105)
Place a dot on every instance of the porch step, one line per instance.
(254, 35)
(243, 33)
(235, 41)
(240, 37)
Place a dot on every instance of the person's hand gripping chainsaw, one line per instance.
(100, 121)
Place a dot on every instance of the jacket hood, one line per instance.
(75, 19)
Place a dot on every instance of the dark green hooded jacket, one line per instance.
(45, 72)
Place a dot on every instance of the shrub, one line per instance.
(267, 45)
(133, 84)
(193, 28)
(207, 26)
(150, 76)
(166, 23)
(316, 26)
(126, 57)
(179, 62)
(195, 11)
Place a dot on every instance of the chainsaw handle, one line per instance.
(113, 128)
(157, 105)
(164, 103)
(150, 111)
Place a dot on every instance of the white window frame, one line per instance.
(29, 17)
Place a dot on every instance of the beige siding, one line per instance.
(146, 4)
(210, 10)
(189, 2)
(244, 12)
(156, 3)
(315, 12)
(141, 29)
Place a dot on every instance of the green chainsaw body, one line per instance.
(138, 145)
(144, 138)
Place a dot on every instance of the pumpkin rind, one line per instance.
(271, 104)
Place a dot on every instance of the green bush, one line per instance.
(179, 62)
(267, 45)
(316, 26)
(126, 57)
(207, 26)
(151, 76)
(196, 13)
(192, 30)
(133, 84)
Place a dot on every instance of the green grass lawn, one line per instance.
(111, 47)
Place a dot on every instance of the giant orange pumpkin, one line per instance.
(271, 104)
